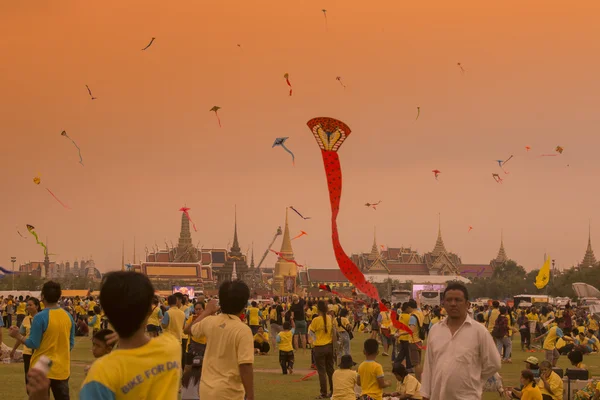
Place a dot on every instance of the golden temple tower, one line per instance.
(285, 269)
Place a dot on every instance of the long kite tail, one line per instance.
(4, 270)
(78, 149)
(57, 199)
(187, 214)
(37, 240)
(296, 211)
(292, 154)
(218, 119)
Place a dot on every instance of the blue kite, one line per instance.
(281, 142)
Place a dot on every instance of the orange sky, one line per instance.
(150, 144)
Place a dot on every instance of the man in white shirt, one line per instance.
(461, 353)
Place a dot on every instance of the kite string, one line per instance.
(57, 199)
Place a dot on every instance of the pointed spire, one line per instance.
(236, 246)
(286, 243)
(589, 259)
(252, 261)
(185, 237)
(123, 257)
(501, 257)
(439, 244)
(374, 255)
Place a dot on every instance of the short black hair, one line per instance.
(591, 331)
(412, 303)
(102, 334)
(51, 292)
(172, 300)
(97, 310)
(480, 318)
(178, 295)
(275, 298)
(155, 300)
(457, 286)
(495, 304)
(253, 304)
(233, 296)
(400, 369)
(371, 347)
(287, 325)
(575, 357)
(502, 310)
(346, 362)
(126, 298)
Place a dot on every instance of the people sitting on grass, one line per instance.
(407, 386)
(261, 342)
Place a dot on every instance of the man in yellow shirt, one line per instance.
(21, 312)
(552, 336)
(174, 319)
(492, 315)
(550, 383)
(142, 367)
(227, 372)
(253, 315)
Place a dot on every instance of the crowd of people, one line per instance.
(151, 347)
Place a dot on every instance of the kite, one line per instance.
(5, 271)
(418, 113)
(287, 80)
(280, 255)
(497, 178)
(474, 271)
(527, 148)
(462, 70)
(307, 376)
(470, 229)
(90, 92)
(37, 180)
(373, 205)
(216, 110)
(281, 142)
(302, 233)
(64, 133)
(558, 149)
(436, 173)
(330, 134)
(297, 212)
(325, 14)
(31, 230)
(149, 44)
(502, 162)
(187, 214)
(339, 78)
(20, 234)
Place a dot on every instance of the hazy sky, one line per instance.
(150, 145)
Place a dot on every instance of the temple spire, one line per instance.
(286, 243)
(589, 259)
(252, 260)
(123, 257)
(236, 246)
(185, 249)
(374, 250)
(439, 244)
(501, 257)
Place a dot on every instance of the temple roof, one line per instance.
(589, 259)
(501, 257)
(439, 244)
(185, 249)
(286, 243)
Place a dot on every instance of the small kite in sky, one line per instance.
(502, 162)
(64, 133)
(280, 141)
(280, 255)
(497, 178)
(287, 80)
(339, 79)
(470, 229)
(5, 271)
(187, 214)
(436, 173)
(462, 70)
(20, 234)
(149, 44)
(527, 148)
(373, 205)
(302, 233)
(31, 230)
(297, 212)
(90, 92)
(216, 110)
(558, 150)
(37, 180)
(418, 113)
(325, 14)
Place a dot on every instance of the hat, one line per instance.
(346, 362)
(532, 360)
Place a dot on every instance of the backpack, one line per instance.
(500, 328)
(421, 327)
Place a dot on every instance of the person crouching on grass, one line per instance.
(261, 342)
(227, 370)
(407, 387)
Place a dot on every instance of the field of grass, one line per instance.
(269, 381)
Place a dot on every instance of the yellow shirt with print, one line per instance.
(410, 385)
(176, 320)
(56, 341)
(318, 327)
(369, 371)
(285, 341)
(21, 308)
(200, 339)
(152, 371)
(253, 317)
(344, 381)
(556, 386)
(229, 344)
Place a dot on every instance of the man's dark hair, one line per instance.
(287, 325)
(102, 334)
(502, 310)
(480, 318)
(172, 300)
(457, 286)
(253, 304)
(275, 299)
(495, 304)
(405, 306)
(399, 369)
(412, 304)
(51, 292)
(155, 300)
(233, 296)
(126, 298)
(178, 295)
(591, 331)
(371, 347)
(575, 357)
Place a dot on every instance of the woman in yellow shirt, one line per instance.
(322, 328)
(197, 345)
(530, 390)
(33, 307)
(261, 342)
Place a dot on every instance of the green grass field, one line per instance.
(269, 382)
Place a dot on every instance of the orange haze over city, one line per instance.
(150, 145)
